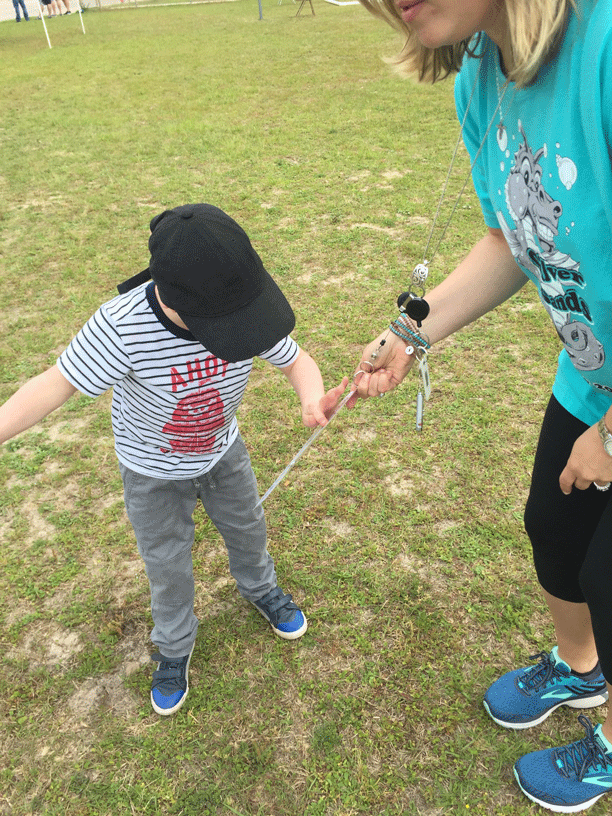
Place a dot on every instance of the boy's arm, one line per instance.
(306, 381)
(34, 400)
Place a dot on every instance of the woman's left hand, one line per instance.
(588, 463)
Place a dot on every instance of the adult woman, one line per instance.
(534, 94)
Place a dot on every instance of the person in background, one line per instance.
(17, 4)
(53, 8)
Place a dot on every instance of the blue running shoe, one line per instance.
(285, 618)
(170, 683)
(525, 697)
(571, 778)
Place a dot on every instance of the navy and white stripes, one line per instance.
(174, 403)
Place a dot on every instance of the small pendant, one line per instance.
(420, 273)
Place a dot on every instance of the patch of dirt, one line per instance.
(47, 644)
(430, 571)
(364, 436)
(207, 603)
(399, 485)
(339, 528)
(362, 174)
(68, 432)
(38, 527)
(393, 232)
(108, 691)
(395, 174)
(338, 280)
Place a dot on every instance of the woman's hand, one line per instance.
(390, 367)
(588, 463)
(486, 277)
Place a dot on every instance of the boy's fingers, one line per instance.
(334, 394)
(338, 390)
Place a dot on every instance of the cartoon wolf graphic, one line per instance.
(536, 215)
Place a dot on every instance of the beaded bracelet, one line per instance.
(418, 341)
(405, 334)
(400, 330)
(409, 326)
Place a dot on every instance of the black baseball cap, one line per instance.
(206, 269)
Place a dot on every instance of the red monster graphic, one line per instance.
(194, 422)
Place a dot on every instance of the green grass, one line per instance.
(406, 551)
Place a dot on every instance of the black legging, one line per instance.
(571, 535)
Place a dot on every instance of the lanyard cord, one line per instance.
(469, 173)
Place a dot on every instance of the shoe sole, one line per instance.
(557, 808)
(166, 712)
(284, 635)
(586, 702)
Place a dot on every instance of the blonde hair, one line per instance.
(535, 31)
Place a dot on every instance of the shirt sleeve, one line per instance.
(283, 353)
(96, 359)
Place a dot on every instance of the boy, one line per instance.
(177, 347)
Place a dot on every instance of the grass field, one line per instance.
(406, 551)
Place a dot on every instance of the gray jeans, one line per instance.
(161, 513)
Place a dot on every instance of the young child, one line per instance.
(177, 345)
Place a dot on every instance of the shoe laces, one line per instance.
(576, 759)
(539, 675)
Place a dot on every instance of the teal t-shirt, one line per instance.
(544, 177)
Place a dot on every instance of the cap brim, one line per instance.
(134, 281)
(248, 331)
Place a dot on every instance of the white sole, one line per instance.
(558, 808)
(587, 702)
(284, 635)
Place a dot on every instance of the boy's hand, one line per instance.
(318, 413)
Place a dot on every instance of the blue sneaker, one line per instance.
(525, 697)
(285, 618)
(571, 778)
(170, 683)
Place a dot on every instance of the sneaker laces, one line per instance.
(539, 675)
(588, 753)
(170, 675)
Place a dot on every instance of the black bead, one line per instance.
(415, 307)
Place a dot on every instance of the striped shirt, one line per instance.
(174, 403)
